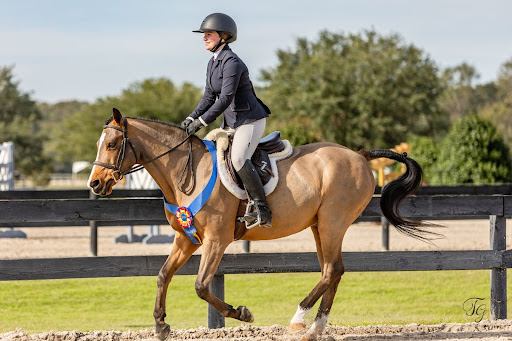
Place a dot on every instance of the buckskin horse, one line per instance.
(324, 186)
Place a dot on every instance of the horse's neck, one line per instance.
(155, 138)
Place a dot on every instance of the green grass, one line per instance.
(127, 303)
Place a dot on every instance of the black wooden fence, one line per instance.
(494, 207)
(505, 189)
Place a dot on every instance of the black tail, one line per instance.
(397, 190)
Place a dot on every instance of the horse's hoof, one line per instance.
(296, 328)
(162, 331)
(309, 338)
(245, 314)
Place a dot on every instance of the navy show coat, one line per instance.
(229, 91)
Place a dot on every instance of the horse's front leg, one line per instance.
(210, 260)
(181, 251)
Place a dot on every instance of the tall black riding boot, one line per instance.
(254, 187)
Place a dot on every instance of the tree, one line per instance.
(425, 151)
(159, 99)
(457, 99)
(504, 83)
(20, 123)
(152, 98)
(473, 152)
(460, 97)
(359, 90)
(53, 116)
(499, 112)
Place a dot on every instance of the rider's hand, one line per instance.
(186, 123)
(194, 127)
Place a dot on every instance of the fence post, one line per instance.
(385, 233)
(246, 246)
(498, 235)
(215, 319)
(7, 182)
(6, 166)
(93, 225)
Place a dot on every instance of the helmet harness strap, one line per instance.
(221, 41)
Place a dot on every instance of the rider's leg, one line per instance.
(245, 141)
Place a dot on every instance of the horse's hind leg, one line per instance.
(181, 251)
(320, 322)
(327, 288)
(330, 237)
(210, 260)
(298, 321)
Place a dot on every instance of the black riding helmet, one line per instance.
(221, 23)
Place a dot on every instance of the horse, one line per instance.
(324, 186)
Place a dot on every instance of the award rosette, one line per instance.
(184, 217)
(185, 220)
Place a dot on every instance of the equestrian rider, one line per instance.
(229, 91)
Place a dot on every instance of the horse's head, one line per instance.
(113, 158)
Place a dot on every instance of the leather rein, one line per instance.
(122, 153)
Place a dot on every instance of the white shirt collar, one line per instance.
(216, 53)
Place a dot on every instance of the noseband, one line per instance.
(122, 153)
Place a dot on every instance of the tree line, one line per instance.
(363, 90)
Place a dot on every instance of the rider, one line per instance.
(229, 91)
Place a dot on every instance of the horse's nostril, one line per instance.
(95, 183)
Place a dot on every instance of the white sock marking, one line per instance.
(300, 315)
(318, 326)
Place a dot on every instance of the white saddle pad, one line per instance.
(221, 137)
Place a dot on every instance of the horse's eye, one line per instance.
(111, 145)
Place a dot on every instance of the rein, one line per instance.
(122, 153)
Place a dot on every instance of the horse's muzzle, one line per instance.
(94, 185)
(99, 189)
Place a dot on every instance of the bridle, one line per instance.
(122, 153)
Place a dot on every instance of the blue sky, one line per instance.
(84, 50)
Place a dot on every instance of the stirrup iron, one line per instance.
(251, 207)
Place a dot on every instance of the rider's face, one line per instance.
(211, 38)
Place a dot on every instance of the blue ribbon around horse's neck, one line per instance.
(199, 201)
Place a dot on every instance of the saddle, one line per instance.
(270, 150)
(269, 144)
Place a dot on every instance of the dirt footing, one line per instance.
(485, 330)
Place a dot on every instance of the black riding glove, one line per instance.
(194, 127)
(186, 123)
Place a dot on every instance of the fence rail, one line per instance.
(244, 263)
(77, 194)
(504, 189)
(138, 209)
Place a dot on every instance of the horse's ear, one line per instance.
(116, 114)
